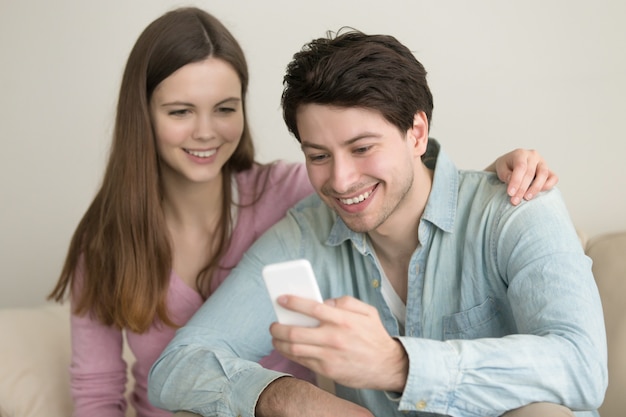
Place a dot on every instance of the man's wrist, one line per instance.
(401, 367)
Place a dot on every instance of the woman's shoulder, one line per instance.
(277, 177)
(267, 191)
(275, 172)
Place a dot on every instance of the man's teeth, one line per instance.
(201, 154)
(355, 200)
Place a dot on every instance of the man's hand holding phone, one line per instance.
(292, 278)
(342, 339)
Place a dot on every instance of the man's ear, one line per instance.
(417, 135)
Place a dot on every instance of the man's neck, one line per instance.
(396, 240)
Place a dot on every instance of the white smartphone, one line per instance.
(293, 278)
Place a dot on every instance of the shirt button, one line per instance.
(420, 405)
(375, 283)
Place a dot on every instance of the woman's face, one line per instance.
(197, 114)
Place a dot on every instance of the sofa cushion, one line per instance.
(34, 378)
(608, 253)
(35, 351)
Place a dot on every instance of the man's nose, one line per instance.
(344, 174)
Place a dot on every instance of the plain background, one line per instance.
(542, 74)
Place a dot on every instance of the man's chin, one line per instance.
(355, 224)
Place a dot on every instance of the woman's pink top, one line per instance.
(98, 372)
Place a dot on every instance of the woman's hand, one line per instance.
(525, 172)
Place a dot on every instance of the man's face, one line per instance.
(361, 165)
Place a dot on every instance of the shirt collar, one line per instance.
(440, 208)
(441, 205)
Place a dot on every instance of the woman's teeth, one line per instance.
(355, 200)
(201, 154)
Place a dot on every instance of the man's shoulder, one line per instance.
(313, 210)
(481, 186)
(481, 178)
(309, 219)
(481, 190)
(305, 226)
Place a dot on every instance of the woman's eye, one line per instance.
(317, 157)
(180, 112)
(226, 109)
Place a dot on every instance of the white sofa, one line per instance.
(35, 352)
(35, 344)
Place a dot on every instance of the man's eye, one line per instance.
(362, 149)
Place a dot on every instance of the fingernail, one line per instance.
(515, 201)
(512, 191)
(528, 196)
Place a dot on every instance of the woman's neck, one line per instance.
(196, 205)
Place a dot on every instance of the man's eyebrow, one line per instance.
(348, 142)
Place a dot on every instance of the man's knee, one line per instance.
(540, 410)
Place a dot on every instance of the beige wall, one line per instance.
(541, 74)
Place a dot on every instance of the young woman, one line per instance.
(181, 200)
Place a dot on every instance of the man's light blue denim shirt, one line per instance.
(502, 309)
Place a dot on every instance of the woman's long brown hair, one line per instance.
(121, 244)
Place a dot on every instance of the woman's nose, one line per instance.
(203, 129)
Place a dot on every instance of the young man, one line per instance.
(441, 297)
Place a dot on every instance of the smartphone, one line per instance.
(292, 278)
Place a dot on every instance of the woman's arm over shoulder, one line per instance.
(526, 173)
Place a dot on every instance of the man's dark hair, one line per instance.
(353, 69)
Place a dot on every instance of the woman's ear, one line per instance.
(418, 133)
